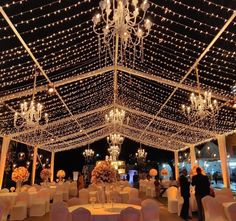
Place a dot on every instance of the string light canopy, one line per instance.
(30, 114)
(124, 20)
(201, 105)
(60, 34)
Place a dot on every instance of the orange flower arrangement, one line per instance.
(164, 172)
(153, 172)
(20, 174)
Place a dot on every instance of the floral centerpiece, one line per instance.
(20, 175)
(153, 172)
(103, 172)
(193, 171)
(61, 174)
(45, 174)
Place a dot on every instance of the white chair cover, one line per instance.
(135, 201)
(84, 196)
(81, 214)
(213, 210)
(129, 214)
(151, 212)
(38, 205)
(223, 198)
(225, 192)
(231, 212)
(32, 189)
(172, 199)
(133, 193)
(74, 201)
(148, 202)
(5, 206)
(127, 189)
(59, 212)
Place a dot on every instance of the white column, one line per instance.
(192, 155)
(223, 158)
(5, 145)
(52, 165)
(176, 165)
(34, 164)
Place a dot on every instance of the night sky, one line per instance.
(73, 160)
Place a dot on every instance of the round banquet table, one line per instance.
(105, 213)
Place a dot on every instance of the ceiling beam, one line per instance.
(161, 80)
(154, 134)
(83, 143)
(70, 136)
(61, 121)
(56, 84)
(166, 120)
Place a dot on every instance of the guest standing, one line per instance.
(185, 193)
(202, 189)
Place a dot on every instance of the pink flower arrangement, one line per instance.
(45, 174)
(20, 174)
(104, 172)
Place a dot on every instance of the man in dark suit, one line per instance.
(202, 189)
(185, 193)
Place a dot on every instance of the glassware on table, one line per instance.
(93, 201)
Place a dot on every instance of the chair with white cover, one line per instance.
(19, 210)
(150, 212)
(225, 192)
(32, 189)
(73, 191)
(223, 198)
(5, 206)
(150, 189)
(213, 211)
(133, 193)
(230, 212)
(135, 201)
(45, 193)
(74, 201)
(57, 197)
(148, 202)
(59, 212)
(172, 199)
(129, 214)
(81, 214)
(127, 189)
(84, 196)
(142, 186)
(38, 205)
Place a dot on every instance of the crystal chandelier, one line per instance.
(88, 154)
(201, 105)
(141, 154)
(30, 114)
(114, 151)
(115, 116)
(115, 139)
(123, 23)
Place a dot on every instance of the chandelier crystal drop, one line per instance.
(125, 20)
(201, 105)
(115, 116)
(115, 139)
(30, 114)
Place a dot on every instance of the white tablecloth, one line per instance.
(11, 197)
(106, 213)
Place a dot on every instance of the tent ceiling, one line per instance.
(60, 35)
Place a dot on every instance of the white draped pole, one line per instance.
(34, 165)
(5, 145)
(176, 165)
(223, 158)
(52, 165)
(192, 155)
